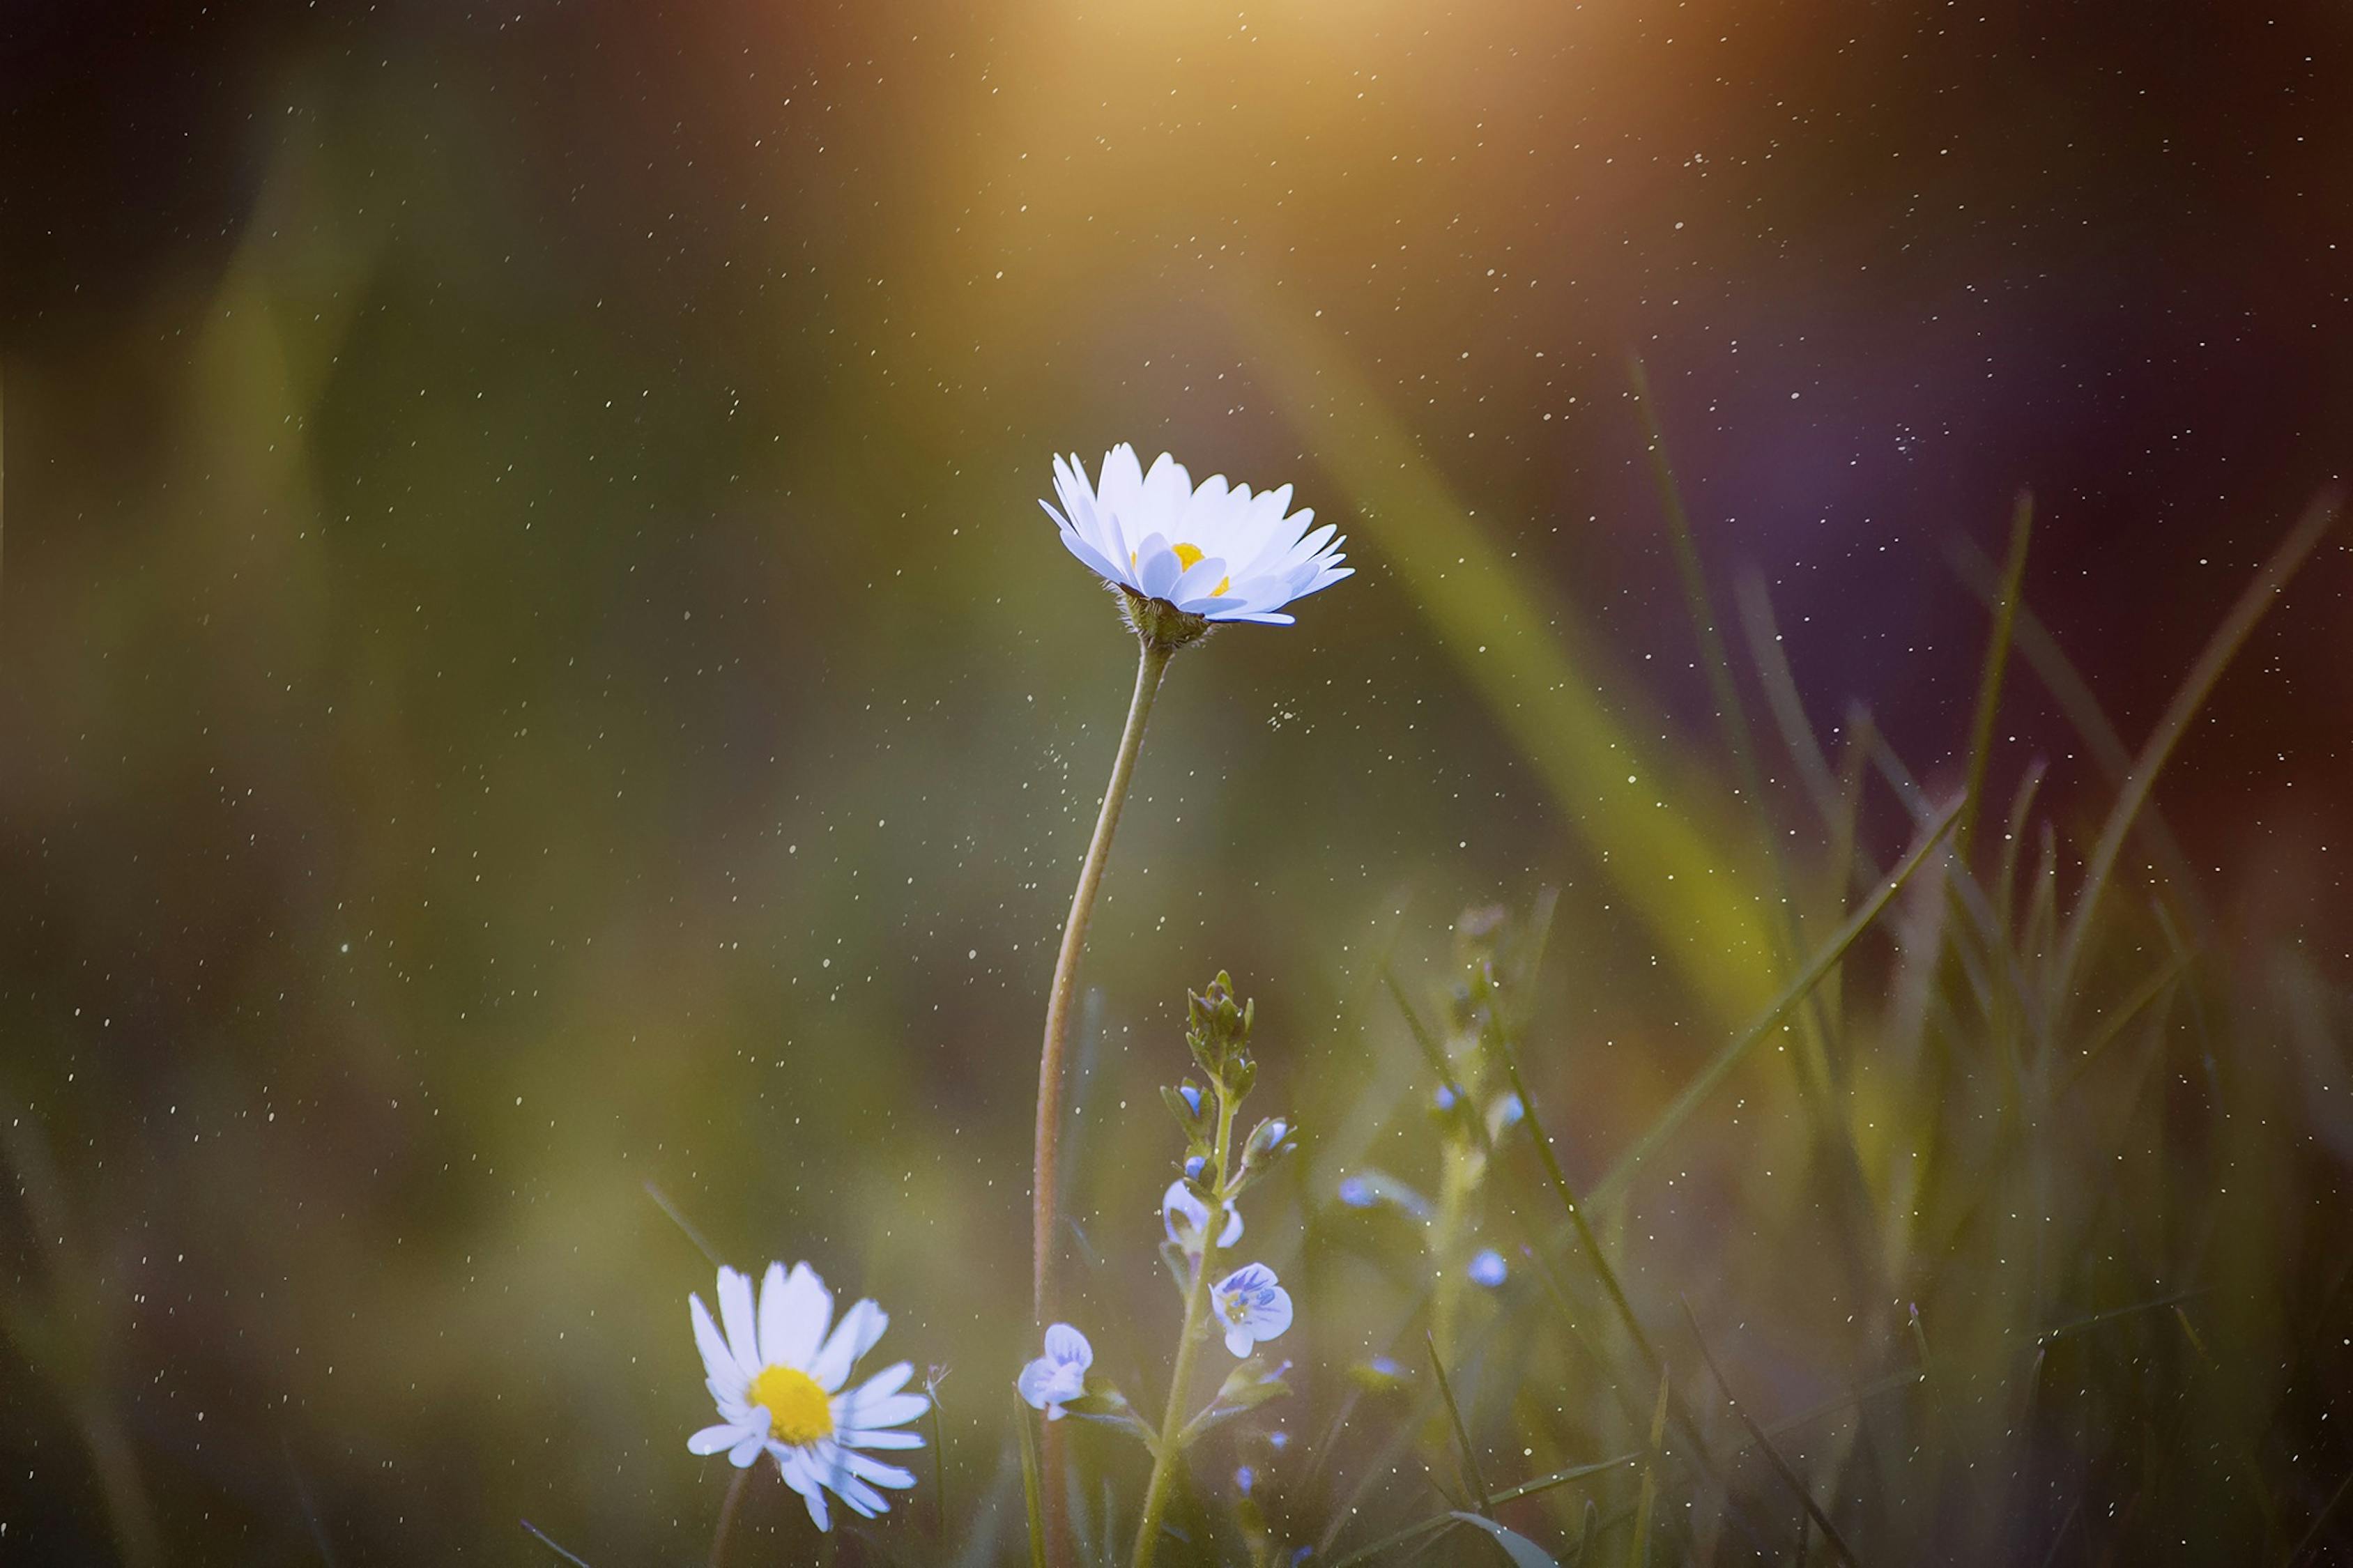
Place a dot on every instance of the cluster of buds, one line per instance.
(1217, 1031)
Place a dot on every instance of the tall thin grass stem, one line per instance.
(1997, 659)
(2220, 648)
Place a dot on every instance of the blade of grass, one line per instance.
(2049, 1337)
(1032, 1502)
(1781, 699)
(1730, 710)
(932, 1378)
(1523, 1552)
(1461, 1434)
(2220, 648)
(1996, 659)
(544, 1539)
(2319, 1521)
(2111, 1024)
(1772, 1454)
(661, 1201)
(2065, 682)
(1637, 1554)
(2013, 839)
(1422, 1527)
(1432, 1051)
(1720, 1066)
(1661, 836)
(1811, 1059)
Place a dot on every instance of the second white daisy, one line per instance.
(777, 1377)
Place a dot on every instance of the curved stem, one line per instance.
(1042, 1170)
(727, 1515)
(1180, 1382)
(1044, 1173)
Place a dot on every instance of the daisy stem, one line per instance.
(727, 1515)
(1180, 1382)
(1043, 1173)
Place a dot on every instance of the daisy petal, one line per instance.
(852, 1338)
(711, 1439)
(735, 1311)
(796, 1470)
(773, 1320)
(719, 1363)
(809, 1307)
(874, 1470)
(889, 1380)
(748, 1445)
(864, 1438)
(891, 1410)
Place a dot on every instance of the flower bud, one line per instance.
(1217, 1029)
(1269, 1141)
(1188, 1105)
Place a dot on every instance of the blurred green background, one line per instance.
(529, 666)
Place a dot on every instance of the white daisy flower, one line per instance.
(1060, 1373)
(777, 1377)
(1253, 1306)
(1216, 552)
(1187, 1219)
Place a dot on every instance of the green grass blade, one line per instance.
(1789, 1478)
(2220, 648)
(1521, 1551)
(1638, 1552)
(1032, 1498)
(2066, 684)
(1705, 1081)
(1729, 711)
(545, 1540)
(1996, 659)
(1667, 841)
(1781, 699)
(1461, 1432)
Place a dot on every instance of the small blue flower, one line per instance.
(1443, 1098)
(1509, 1110)
(1192, 1095)
(1386, 1366)
(1253, 1306)
(1194, 1166)
(1060, 1373)
(1278, 1440)
(1356, 1193)
(1244, 1478)
(1489, 1269)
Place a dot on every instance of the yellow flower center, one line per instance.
(1189, 556)
(798, 1410)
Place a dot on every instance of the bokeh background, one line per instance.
(531, 670)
